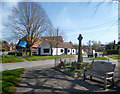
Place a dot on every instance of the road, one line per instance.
(50, 62)
(29, 64)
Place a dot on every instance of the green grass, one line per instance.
(114, 56)
(10, 59)
(99, 58)
(10, 79)
(34, 58)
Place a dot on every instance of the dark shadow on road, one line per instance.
(50, 80)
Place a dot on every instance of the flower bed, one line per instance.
(73, 69)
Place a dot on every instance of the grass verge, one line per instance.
(10, 79)
(34, 58)
(99, 58)
(114, 56)
(10, 59)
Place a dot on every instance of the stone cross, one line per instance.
(80, 48)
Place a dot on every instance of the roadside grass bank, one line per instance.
(114, 56)
(10, 79)
(99, 58)
(11, 59)
(35, 58)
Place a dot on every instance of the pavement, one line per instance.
(23, 59)
(47, 80)
(112, 60)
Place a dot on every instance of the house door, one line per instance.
(39, 51)
(65, 50)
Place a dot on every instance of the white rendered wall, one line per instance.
(70, 52)
(74, 53)
(45, 45)
(57, 51)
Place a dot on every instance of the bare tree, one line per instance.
(54, 38)
(96, 45)
(75, 45)
(28, 20)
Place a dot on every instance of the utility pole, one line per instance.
(89, 44)
(57, 43)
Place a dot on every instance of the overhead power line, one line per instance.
(107, 23)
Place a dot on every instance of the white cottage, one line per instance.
(64, 48)
(43, 47)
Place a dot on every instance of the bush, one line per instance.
(82, 65)
(19, 54)
(11, 53)
(85, 65)
(4, 50)
(112, 51)
(67, 64)
(79, 66)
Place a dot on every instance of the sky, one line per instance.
(74, 18)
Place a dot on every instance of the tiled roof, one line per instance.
(54, 41)
(57, 38)
(37, 43)
(65, 45)
(54, 44)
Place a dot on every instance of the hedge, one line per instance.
(11, 53)
(112, 51)
(4, 50)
